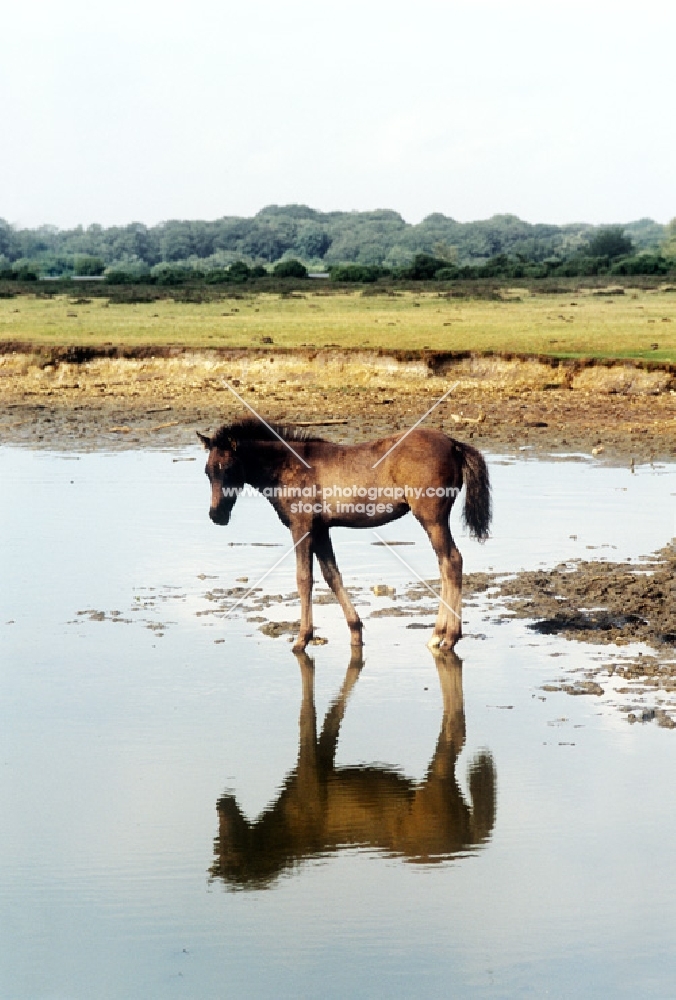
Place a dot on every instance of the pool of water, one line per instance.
(188, 810)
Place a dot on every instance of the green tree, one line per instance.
(424, 267)
(357, 272)
(290, 269)
(669, 245)
(239, 271)
(85, 266)
(445, 252)
(312, 241)
(610, 241)
(26, 269)
(175, 241)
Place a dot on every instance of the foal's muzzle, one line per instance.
(221, 514)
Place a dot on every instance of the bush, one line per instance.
(424, 267)
(85, 266)
(498, 267)
(290, 269)
(357, 272)
(539, 270)
(217, 276)
(449, 273)
(26, 273)
(239, 271)
(118, 276)
(129, 273)
(165, 274)
(648, 263)
(468, 273)
(580, 267)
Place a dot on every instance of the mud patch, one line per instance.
(610, 604)
(277, 629)
(600, 601)
(584, 622)
(580, 687)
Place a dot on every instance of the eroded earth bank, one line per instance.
(62, 399)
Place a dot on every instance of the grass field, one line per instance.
(636, 324)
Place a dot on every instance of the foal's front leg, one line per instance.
(327, 561)
(304, 553)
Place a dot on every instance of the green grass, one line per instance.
(571, 324)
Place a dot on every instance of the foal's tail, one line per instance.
(477, 513)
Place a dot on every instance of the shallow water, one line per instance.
(385, 870)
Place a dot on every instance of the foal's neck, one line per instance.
(262, 462)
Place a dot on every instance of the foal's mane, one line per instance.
(251, 429)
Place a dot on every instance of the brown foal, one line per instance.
(315, 485)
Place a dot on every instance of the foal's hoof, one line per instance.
(444, 642)
(449, 641)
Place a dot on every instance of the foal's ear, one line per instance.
(205, 440)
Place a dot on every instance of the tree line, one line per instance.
(352, 246)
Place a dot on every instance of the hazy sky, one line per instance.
(148, 110)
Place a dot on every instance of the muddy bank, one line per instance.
(601, 601)
(612, 605)
(67, 399)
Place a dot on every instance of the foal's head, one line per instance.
(225, 474)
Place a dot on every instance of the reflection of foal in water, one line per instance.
(311, 483)
(322, 808)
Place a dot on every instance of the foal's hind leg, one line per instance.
(448, 627)
(327, 561)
